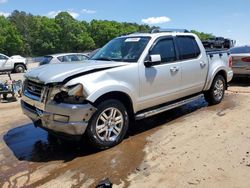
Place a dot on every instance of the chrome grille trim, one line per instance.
(35, 88)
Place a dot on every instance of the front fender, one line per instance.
(112, 88)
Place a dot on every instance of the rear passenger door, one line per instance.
(161, 82)
(193, 63)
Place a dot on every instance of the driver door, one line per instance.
(161, 82)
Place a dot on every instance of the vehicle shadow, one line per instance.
(34, 144)
(8, 100)
(243, 82)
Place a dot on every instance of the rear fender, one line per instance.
(212, 76)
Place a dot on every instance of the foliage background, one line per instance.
(28, 35)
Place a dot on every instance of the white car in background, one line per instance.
(240, 60)
(66, 57)
(15, 63)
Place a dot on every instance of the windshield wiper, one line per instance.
(104, 59)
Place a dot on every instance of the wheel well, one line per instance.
(224, 74)
(120, 96)
(20, 64)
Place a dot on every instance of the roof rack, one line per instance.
(170, 31)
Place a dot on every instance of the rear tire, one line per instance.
(19, 68)
(217, 90)
(108, 125)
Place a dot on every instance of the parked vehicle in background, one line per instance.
(132, 77)
(208, 43)
(218, 42)
(62, 58)
(240, 59)
(16, 63)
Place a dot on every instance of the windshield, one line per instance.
(127, 49)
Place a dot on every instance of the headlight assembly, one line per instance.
(71, 94)
(75, 90)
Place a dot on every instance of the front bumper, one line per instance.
(74, 117)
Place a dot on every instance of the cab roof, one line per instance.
(160, 34)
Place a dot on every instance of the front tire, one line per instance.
(216, 93)
(108, 125)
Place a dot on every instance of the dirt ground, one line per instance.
(192, 146)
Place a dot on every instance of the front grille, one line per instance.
(35, 88)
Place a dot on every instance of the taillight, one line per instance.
(246, 59)
(230, 62)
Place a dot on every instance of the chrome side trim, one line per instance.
(165, 108)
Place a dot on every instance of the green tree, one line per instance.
(45, 37)
(25, 25)
(103, 31)
(73, 35)
(202, 35)
(10, 40)
(26, 34)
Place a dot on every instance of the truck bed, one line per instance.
(217, 51)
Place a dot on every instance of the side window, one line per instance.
(60, 58)
(74, 58)
(3, 57)
(188, 47)
(166, 49)
(68, 58)
(82, 57)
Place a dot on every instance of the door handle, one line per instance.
(174, 69)
(203, 64)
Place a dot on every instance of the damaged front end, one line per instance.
(57, 108)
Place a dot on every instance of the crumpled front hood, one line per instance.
(53, 73)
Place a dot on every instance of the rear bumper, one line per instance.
(70, 119)
(241, 72)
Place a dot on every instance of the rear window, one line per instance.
(188, 47)
(240, 50)
(46, 60)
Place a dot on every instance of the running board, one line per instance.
(167, 107)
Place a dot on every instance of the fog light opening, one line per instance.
(61, 118)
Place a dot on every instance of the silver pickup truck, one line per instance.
(130, 78)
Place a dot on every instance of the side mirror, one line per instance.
(153, 60)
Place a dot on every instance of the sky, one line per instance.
(226, 18)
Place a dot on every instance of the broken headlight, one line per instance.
(71, 94)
